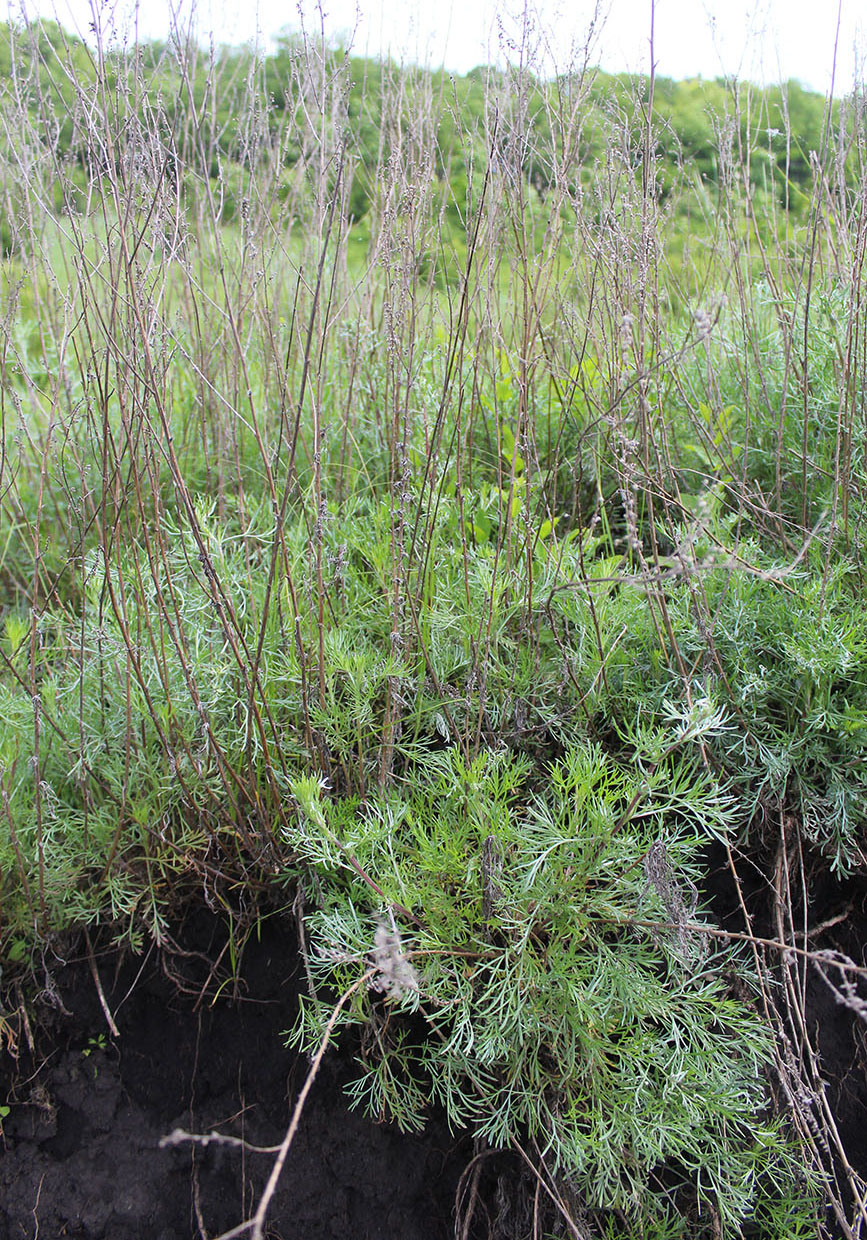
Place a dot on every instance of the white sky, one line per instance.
(764, 40)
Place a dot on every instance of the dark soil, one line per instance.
(81, 1153)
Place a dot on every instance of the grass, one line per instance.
(460, 571)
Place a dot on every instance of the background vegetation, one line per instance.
(436, 505)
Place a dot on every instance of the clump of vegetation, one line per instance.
(439, 504)
(569, 996)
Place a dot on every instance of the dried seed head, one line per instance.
(395, 976)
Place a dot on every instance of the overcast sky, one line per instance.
(764, 40)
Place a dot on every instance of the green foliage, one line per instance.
(550, 1011)
(794, 655)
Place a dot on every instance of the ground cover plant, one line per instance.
(436, 507)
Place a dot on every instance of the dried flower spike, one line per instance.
(395, 976)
